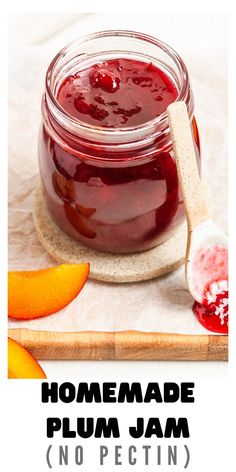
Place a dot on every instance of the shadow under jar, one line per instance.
(105, 153)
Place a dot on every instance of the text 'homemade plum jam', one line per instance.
(106, 159)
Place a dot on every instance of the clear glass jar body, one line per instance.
(115, 190)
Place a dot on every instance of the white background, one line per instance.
(208, 419)
(23, 417)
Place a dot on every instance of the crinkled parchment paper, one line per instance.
(163, 304)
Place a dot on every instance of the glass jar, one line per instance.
(113, 189)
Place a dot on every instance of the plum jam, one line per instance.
(105, 153)
(210, 284)
(117, 93)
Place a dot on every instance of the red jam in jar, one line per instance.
(106, 159)
(117, 93)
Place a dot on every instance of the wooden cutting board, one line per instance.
(121, 345)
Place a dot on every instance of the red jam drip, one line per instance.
(210, 285)
(213, 312)
(117, 93)
(209, 319)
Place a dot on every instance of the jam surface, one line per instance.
(111, 207)
(117, 93)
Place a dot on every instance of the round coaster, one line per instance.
(104, 266)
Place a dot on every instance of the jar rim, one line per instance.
(160, 122)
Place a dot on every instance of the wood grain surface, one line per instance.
(121, 345)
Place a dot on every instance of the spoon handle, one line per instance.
(185, 157)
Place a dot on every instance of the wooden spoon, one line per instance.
(203, 234)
